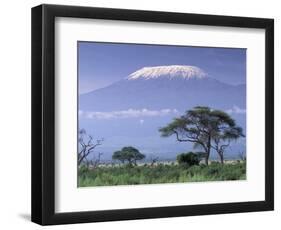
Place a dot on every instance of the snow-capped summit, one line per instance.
(170, 72)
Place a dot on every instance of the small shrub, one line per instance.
(188, 159)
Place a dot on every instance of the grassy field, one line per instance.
(160, 173)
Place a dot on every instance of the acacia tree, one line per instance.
(86, 146)
(194, 126)
(223, 138)
(225, 131)
(130, 154)
(118, 155)
(199, 126)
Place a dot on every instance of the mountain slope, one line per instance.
(179, 87)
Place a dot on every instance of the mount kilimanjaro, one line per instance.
(176, 86)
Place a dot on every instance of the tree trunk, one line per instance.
(207, 158)
(221, 158)
(208, 151)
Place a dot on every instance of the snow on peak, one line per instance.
(171, 71)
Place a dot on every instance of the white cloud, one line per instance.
(236, 110)
(130, 113)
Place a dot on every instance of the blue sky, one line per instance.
(101, 64)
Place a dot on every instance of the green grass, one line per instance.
(125, 175)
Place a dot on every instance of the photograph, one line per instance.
(150, 114)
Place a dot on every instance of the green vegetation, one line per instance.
(130, 154)
(160, 173)
(207, 129)
(188, 159)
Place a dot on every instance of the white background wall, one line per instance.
(15, 114)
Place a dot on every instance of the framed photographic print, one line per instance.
(140, 114)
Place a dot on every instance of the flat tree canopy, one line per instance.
(129, 153)
(204, 127)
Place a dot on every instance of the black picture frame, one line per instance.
(43, 114)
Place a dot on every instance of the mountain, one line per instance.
(177, 87)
